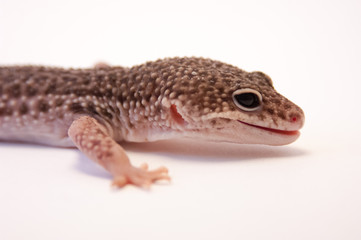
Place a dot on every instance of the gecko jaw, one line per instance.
(278, 131)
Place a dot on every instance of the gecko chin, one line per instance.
(224, 129)
(268, 136)
(235, 131)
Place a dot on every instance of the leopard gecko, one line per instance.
(96, 109)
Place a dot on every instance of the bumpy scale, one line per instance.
(95, 109)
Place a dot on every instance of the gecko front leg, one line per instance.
(92, 139)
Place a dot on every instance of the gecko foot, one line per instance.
(140, 177)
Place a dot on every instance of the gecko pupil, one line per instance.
(247, 100)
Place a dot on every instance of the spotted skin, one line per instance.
(96, 108)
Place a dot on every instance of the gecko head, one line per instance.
(219, 102)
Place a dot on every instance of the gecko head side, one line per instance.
(219, 102)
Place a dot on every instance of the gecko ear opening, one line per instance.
(176, 116)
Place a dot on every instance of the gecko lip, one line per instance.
(278, 131)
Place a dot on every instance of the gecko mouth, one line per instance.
(278, 131)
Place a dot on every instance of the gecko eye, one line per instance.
(247, 99)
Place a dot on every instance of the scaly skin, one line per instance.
(95, 108)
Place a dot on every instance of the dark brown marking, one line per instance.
(80, 92)
(51, 88)
(99, 78)
(270, 111)
(276, 101)
(281, 115)
(120, 98)
(59, 102)
(86, 80)
(287, 106)
(106, 113)
(31, 91)
(23, 109)
(76, 107)
(96, 92)
(91, 109)
(5, 112)
(43, 106)
(109, 93)
(69, 79)
(15, 91)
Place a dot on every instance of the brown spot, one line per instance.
(67, 90)
(86, 80)
(15, 90)
(23, 109)
(281, 115)
(96, 92)
(43, 106)
(108, 93)
(99, 78)
(112, 77)
(276, 101)
(270, 111)
(287, 106)
(30, 91)
(120, 98)
(76, 107)
(59, 102)
(68, 79)
(41, 79)
(5, 112)
(60, 115)
(111, 109)
(91, 109)
(51, 88)
(106, 113)
(8, 111)
(193, 91)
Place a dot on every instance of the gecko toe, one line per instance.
(144, 166)
(141, 177)
(161, 170)
(119, 182)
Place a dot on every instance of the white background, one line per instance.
(308, 190)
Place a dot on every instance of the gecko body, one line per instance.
(95, 109)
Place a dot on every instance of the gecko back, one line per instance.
(38, 104)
